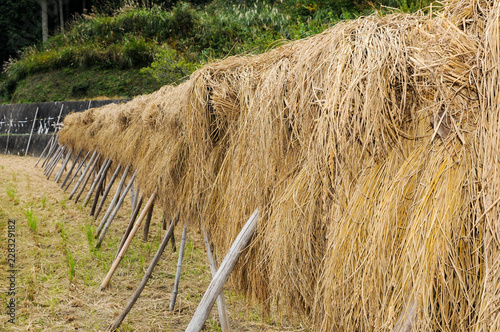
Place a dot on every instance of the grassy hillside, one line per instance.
(136, 50)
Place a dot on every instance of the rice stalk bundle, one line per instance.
(371, 151)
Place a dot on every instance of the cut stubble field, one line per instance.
(58, 270)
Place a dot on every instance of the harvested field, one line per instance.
(371, 152)
(59, 270)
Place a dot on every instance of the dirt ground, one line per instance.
(55, 277)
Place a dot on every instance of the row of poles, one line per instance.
(84, 167)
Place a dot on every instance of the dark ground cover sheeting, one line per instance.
(16, 122)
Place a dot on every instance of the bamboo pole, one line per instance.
(113, 202)
(95, 179)
(63, 167)
(179, 266)
(221, 301)
(87, 178)
(124, 249)
(51, 147)
(54, 163)
(71, 169)
(43, 152)
(99, 186)
(51, 160)
(106, 192)
(133, 216)
(146, 224)
(220, 278)
(97, 183)
(91, 161)
(31, 133)
(145, 279)
(76, 171)
(115, 211)
(8, 135)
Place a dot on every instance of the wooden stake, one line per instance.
(31, 133)
(221, 301)
(179, 266)
(51, 148)
(91, 161)
(220, 278)
(124, 249)
(113, 202)
(48, 166)
(54, 163)
(106, 192)
(43, 152)
(76, 171)
(97, 185)
(95, 179)
(133, 216)
(145, 279)
(87, 178)
(146, 224)
(63, 167)
(8, 135)
(115, 211)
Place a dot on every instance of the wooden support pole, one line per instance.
(145, 279)
(48, 166)
(63, 167)
(146, 224)
(179, 266)
(87, 178)
(71, 169)
(31, 133)
(53, 150)
(220, 278)
(51, 147)
(97, 184)
(113, 202)
(124, 249)
(221, 301)
(95, 179)
(115, 211)
(106, 192)
(91, 161)
(82, 164)
(43, 152)
(133, 216)
(8, 135)
(56, 160)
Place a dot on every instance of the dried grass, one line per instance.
(371, 151)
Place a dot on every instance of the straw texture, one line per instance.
(371, 150)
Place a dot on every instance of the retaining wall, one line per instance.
(17, 121)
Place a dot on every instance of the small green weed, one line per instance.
(11, 192)
(44, 201)
(63, 204)
(70, 261)
(32, 221)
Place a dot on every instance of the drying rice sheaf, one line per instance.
(371, 151)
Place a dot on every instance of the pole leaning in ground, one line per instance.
(31, 133)
(43, 152)
(106, 192)
(91, 161)
(115, 211)
(179, 266)
(63, 167)
(80, 165)
(133, 216)
(146, 277)
(87, 178)
(220, 278)
(115, 200)
(221, 301)
(124, 249)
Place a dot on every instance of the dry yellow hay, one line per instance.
(371, 151)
